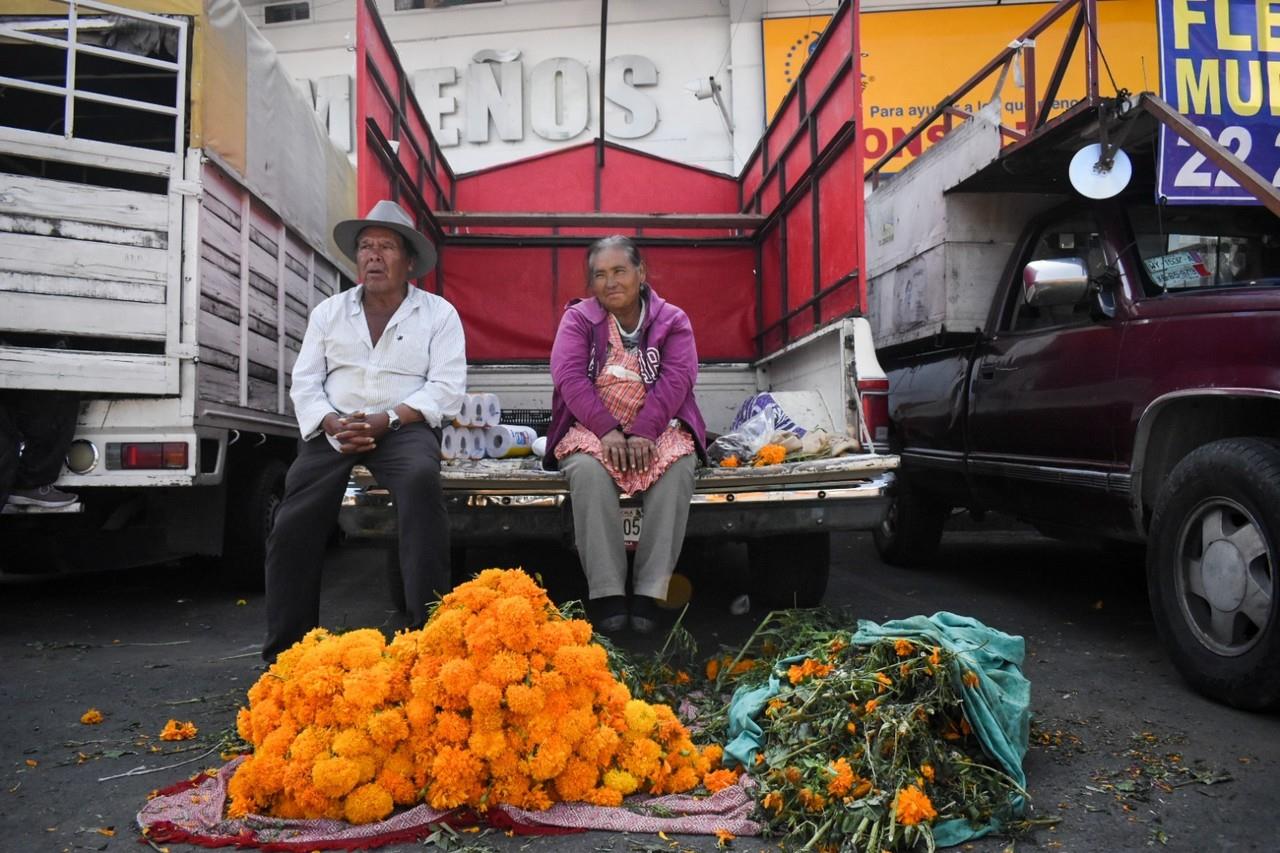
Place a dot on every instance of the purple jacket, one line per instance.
(668, 364)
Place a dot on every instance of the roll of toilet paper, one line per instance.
(476, 403)
(463, 418)
(540, 446)
(507, 442)
(449, 443)
(492, 408)
(477, 445)
(462, 443)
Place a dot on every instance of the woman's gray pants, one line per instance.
(597, 526)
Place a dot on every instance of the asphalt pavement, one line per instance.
(1123, 755)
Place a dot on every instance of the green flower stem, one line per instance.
(817, 836)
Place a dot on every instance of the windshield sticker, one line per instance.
(1178, 269)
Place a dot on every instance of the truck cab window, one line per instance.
(1189, 249)
(1070, 237)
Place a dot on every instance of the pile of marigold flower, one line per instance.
(865, 748)
(499, 698)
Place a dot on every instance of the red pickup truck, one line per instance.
(1121, 382)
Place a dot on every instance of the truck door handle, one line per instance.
(988, 371)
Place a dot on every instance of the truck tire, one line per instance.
(912, 528)
(253, 499)
(1212, 571)
(790, 570)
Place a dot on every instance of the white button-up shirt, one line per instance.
(420, 360)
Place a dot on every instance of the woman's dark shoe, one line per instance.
(609, 614)
(644, 614)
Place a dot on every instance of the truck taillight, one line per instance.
(137, 455)
(875, 410)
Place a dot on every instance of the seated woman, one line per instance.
(624, 421)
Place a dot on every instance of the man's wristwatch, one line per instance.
(393, 420)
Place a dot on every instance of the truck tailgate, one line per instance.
(489, 501)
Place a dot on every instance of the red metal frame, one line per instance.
(756, 261)
(1035, 118)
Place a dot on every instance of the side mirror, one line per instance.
(1057, 281)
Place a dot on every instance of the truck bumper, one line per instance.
(479, 518)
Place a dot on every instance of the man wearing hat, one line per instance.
(382, 368)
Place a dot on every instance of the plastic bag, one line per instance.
(754, 433)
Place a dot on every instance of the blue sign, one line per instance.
(1220, 67)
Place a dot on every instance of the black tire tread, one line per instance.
(919, 519)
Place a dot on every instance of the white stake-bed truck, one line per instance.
(166, 199)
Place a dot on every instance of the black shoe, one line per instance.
(644, 614)
(609, 614)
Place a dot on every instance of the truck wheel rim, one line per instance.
(1225, 577)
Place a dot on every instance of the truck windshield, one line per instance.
(1196, 248)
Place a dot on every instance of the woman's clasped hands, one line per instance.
(628, 452)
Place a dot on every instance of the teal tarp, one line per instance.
(998, 708)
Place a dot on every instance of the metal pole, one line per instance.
(604, 34)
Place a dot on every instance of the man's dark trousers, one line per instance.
(46, 422)
(406, 462)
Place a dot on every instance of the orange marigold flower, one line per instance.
(842, 778)
(885, 681)
(871, 705)
(682, 677)
(970, 678)
(837, 645)
(903, 648)
(175, 730)
(861, 789)
(926, 770)
(91, 717)
(851, 728)
(730, 461)
(912, 806)
(367, 804)
(718, 780)
(772, 800)
(723, 837)
(935, 657)
(770, 454)
(713, 669)
(792, 774)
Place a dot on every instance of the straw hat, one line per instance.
(388, 214)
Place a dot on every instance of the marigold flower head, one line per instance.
(772, 801)
(935, 657)
(926, 770)
(842, 777)
(91, 717)
(367, 804)
(870, 706)
(730, 461)
(885, 681)
(621, 781)
(718, 780)
(903, 648)
(770, 454)
(970, 679)
(723, 837)
(176, 730)
(912, 806)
